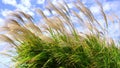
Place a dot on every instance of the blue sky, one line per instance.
(28, 6)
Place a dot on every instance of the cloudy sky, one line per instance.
(28, 6)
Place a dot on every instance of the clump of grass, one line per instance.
(57, 43)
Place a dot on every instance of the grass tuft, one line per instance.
(58, 43)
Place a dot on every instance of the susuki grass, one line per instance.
(58, 43)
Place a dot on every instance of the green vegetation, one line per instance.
(57, 43)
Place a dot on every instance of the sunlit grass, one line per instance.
(56, 43)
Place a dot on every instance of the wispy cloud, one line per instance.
(25, 6)
(70, 5)
(26, 3)
(1, 22)
(46, 12)
(5, 12)
(10, 2)
(95, 9)
(40, 1)
(26, 9)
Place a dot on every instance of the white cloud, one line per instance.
(55, 2)
(25, 9)
(5, 12)
(54, 13)
(116, 28)
(46, 12)
(84, 1)
(40, 1)
(26, 3)
(95, 9)
(1, 22)
(25, 6)
(106, 6)
(10, 2)
(115, 6)
(70, 5)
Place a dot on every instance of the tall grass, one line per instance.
(57, 43)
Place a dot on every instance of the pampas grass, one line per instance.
(57, 43)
